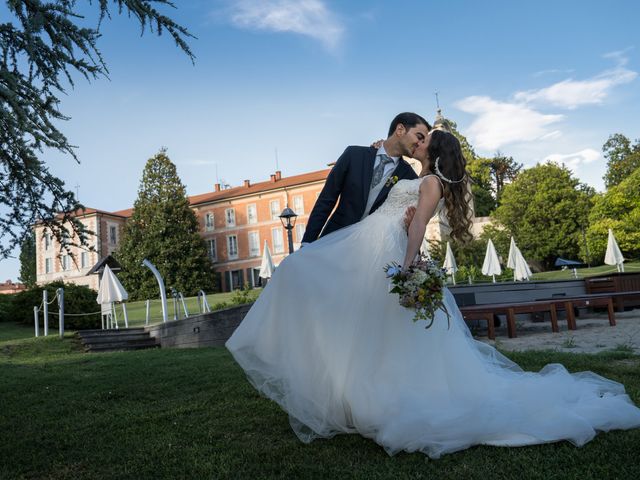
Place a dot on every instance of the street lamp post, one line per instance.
(288, 219)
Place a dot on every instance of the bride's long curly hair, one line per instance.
(446, 147)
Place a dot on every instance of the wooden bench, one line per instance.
(487, 312)
(597, 300)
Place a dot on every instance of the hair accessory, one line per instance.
(439, 173)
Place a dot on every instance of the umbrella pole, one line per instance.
(494, 278)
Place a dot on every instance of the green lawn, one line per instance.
(584, 272)
(191, 414)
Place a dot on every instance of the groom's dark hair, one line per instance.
(409, 120)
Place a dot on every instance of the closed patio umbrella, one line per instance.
(450, 263)
(110, 291)
(521, 270)
(491, 266)
(614, 255)
(266, 267)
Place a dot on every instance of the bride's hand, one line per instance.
(377, 144)
(408, 216)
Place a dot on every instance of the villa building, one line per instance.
(235, 224)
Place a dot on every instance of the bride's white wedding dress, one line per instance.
(336, 351)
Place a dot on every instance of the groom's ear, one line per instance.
(400, 130)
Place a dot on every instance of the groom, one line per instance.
(363, 176)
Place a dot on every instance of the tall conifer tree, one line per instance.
(164, 230)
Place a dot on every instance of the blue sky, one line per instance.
(536, 80)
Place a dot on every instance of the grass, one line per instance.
(583, 272)
(191, 414)
(16, 331)
(136, 311)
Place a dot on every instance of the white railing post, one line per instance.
(126, 317)
(114, 315)
(35, 317)
(61, 311)
(45, 311)
(184, 305)
(148, 306)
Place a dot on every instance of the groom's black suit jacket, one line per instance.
(350, 180)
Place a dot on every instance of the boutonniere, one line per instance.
(392, 181)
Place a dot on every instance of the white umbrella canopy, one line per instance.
(521, 270)
(111, 290)
(511, 260)
(491, 265)
(266, 267)
(614, 255)
(450, 263)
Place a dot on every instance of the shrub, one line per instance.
(244, 295)
(5, 307)
(77, 299)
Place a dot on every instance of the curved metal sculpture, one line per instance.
(163, 293)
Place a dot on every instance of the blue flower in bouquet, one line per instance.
(393, 270)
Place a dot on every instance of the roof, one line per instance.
(108, 260)
(260, 187)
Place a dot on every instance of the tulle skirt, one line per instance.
(329, 343)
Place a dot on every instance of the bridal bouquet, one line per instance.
(420, 287)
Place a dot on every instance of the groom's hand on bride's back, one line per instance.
(408, 216)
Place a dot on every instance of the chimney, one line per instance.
(247, 183)
(216, 187)
(273, 178)
(278, 175)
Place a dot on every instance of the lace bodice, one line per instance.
(404, 194)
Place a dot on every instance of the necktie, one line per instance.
(378, 172)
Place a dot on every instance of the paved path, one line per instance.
(594, 334)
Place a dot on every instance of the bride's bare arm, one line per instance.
(430, 193)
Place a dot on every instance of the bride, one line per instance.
(329, 344)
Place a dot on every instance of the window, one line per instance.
(278, 244)
(274, 207)
(230, 215)
(232, 246)
(84, 259)
(211, 248)
(47, 241)
(252, 213)
(65, 262)
(254, 244)
(113, 234)
(48, 264)
(208, 222)
(298, 205)
(299, 231)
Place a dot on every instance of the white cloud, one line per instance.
(305, 17)
(576, 159)
(572, 93)
(551, 72)
(501, 123)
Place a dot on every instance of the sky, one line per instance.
(288, 84)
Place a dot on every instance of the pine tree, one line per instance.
(164, 230)
(42, 44)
